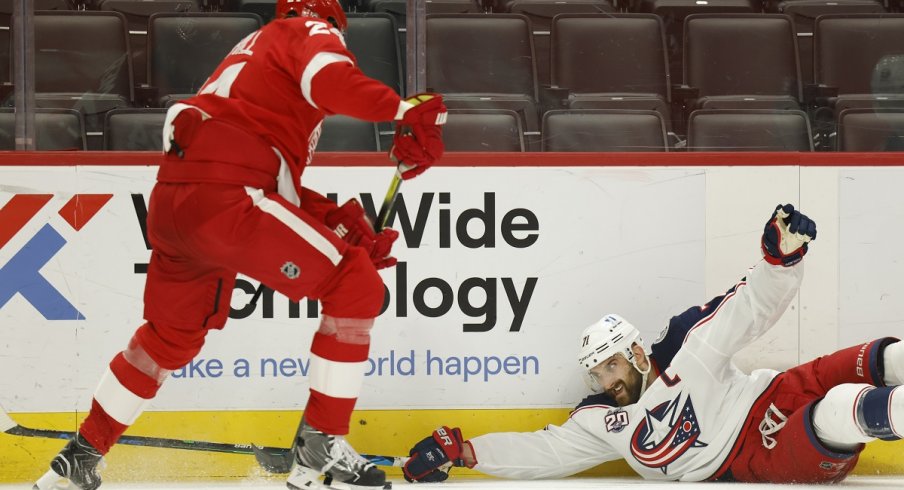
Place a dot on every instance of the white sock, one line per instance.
(893, 360)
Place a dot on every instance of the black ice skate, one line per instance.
(331, 456)
(75, 468)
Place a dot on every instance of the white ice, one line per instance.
(852, 483)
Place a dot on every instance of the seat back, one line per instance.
(860, 54)
(134, 129)
(372, 39)
(137, 13)
(741, 54)
(804, 14)
(610, 53)
(748, 130)
(82, 52)
(185, 48)
(6, 13)
(483, 130)
(55, 129)
(343, 133)
(541, 14)
(603, 130)
(871, 130)
(480, 54)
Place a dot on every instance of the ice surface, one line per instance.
(852, 483)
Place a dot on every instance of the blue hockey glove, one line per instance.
(433, 456)
(786, 235)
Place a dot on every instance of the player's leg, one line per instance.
(864, 363)
(298, 256)
(852, 414)
(796, 455)
(184, 297)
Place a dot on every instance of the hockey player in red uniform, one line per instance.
(228, 199)
(683, 411)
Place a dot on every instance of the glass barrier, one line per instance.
(519, 75)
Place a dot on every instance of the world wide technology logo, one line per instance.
(22, 272)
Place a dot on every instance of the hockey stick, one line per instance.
(9, 426)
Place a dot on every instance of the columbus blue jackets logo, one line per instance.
(665, 434)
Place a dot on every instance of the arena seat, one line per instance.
(343, 133)
(591, 62)
(749, 130)
(55, 129)
(185, 48)
(480, 61)
(871, 130)
(674, 13)
(804, 14)
(137, 13)
(749, 59)
(483, 130)
(603, 130)
(82, 62)
(134, 129)
(860, 57)
(541, 14)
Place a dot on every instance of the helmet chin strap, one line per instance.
(643, 374)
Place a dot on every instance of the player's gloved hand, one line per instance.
(418, 139)
(786, 236)
(432, 457)
(352, 225)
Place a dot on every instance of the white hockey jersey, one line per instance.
(685, 424)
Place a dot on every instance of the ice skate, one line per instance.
(75, 468)
(332, 457)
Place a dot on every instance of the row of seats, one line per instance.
(500, 130)
(598, 61)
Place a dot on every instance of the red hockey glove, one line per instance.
(418, 140)
(786, 235)
(353, 226)
(432, 457)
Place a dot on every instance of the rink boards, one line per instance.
(504, 259)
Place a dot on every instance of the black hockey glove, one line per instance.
(432, 457)
(786, 235)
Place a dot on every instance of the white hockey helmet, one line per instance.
(609, 336)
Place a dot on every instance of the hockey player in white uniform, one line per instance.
(683, 411)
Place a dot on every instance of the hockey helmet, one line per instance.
(609, 336)
(328, 10)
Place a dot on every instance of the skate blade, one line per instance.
(52, 481)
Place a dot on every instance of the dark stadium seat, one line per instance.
(371, 37)
(750, 59)
(55, 129)
(860, 55)
(804, 14)
(541, 14)
(342, 133)
(603, 130)
(264, 8)
(674, 13)
(6, 12)
(611, 61)
(483, 61)
(137, 13)
(82, 62)
(134, 129)
(749, 130)
(871, 130)
(184, 49)
(483, 130)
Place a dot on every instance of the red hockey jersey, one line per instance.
(276, 85)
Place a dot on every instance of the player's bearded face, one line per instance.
(619, 379)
